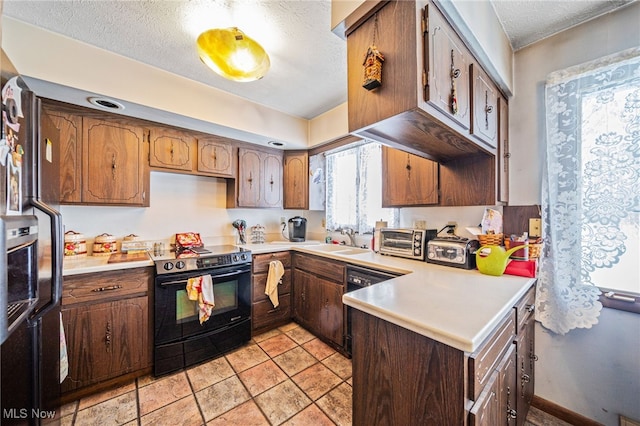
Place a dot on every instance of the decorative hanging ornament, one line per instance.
(372, 63)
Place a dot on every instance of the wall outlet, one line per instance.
(535, 227)
(283, 220)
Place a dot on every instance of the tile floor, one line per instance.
(283, 377)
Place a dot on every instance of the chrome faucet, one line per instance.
(351, 234)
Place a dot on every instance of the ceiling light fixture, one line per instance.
(233, 55)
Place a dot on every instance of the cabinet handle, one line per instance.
(408, 167)
(455, 73)
(271, 182)
(250, 180)
(511, 413)
(111, 287)
(488, 109)
(107, 336)
(526, 378)
(113, 166)
(171, 151)
(274, 310)
(215, 159)
(531, 308)
(533, 357)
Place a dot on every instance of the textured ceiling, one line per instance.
(308, 62)
(528, 21)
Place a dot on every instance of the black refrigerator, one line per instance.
(31, 241)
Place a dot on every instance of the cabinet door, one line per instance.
(507, 396)
(70, 127)
(331, 321)
(306, 299)
(272, 183)
(448, 69)
(249, 178)
(216, 157)
(296, 180)
(408, 180)
(484, 107)
(503, 151)
(485, 410)
(525, 370)
(115, 167)
(105, 340)
(171, 149)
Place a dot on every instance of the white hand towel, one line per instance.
(276, 271)
(201, 289)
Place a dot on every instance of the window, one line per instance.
(591, 202)
(354, 189)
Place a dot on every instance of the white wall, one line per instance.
(182, 203)
(594, 372)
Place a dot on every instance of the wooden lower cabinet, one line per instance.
(418, 381)
(107, 327)
(264, 316)
(318, 286)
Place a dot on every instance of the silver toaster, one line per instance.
(458, 252)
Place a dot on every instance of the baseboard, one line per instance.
(562, 413)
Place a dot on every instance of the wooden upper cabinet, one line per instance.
(216, 157)
(448, 69)
(114, 168)
(503, 154)
(171, 149)
(397, 42)
(272, 180)
(70, 127)
(408, 180)
(484, 107)
(296, 180)
(249, 178)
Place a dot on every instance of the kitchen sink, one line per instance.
(338, 249)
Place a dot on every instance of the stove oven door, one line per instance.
(176, 317)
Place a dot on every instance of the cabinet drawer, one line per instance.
(261, 261)
(106, 285)
(260, 284)
(484, 360)
(321, 267)
(264, 313)
(525, 307)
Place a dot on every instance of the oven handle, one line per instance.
(236, 272)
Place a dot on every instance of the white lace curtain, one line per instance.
(354, 189)
(590, 188)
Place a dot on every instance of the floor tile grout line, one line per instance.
(195, 397)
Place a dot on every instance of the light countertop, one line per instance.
(89, 264)
(454, 306)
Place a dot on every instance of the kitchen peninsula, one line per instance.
(441, 344)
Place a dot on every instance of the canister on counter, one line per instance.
(105, 244)
(75, 244)
(516, 241)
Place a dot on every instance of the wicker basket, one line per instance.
(535, 249)
(490, 239)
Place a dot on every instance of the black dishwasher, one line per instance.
(359, 277)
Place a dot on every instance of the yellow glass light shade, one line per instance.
(233, 55)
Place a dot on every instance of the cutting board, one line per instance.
(125, 257)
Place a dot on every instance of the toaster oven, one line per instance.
(456, 251)
(404, 242)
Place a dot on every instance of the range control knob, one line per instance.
(168, 266)
(243, 256)
(180, 264)
(235, 258)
